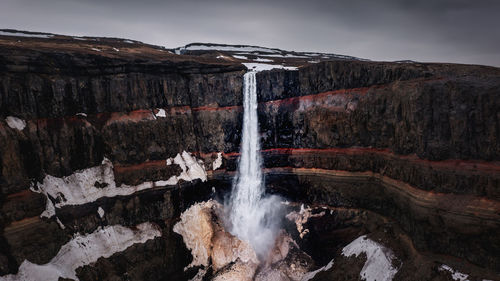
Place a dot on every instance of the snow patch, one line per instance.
(88, 185)
(83, 250)
(378, 265)
(101, 212)
(161, 113)
(227, 48)
(310, 275)
(458, 276)
(20, 34)
(116, 49)
(252, 66)
(218, 162)
(262, 60)
(15, 123)
(82, 187)
(80, 38)
(95, 49)
(240, 57)
(284, 56)
(191, 168)
(81, 114)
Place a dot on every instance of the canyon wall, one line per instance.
(415, 143)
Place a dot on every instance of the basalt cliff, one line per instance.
(105, 136)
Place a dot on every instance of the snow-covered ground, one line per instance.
(83, 250)
(263, 66)
(218, 162)
(284, 56)
(201, 47)
(22, 34)
(378, 265)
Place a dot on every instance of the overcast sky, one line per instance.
(465, 31)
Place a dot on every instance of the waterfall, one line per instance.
(252, 214)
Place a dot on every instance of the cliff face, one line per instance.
(416, 144)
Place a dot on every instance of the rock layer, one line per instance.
(415, 143)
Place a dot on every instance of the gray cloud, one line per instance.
(440, 30)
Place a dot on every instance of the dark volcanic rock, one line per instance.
(409, 148)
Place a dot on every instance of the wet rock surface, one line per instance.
(406, 153)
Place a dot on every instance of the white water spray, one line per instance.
(252, 215)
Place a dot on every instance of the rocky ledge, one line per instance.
(104, 136)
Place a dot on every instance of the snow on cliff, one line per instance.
(378, 265)
(15, 123)
(83, 250)
(88, 185)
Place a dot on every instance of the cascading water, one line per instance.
(252, 215)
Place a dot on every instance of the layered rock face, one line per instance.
(413, 145)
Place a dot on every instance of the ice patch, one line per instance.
(161, 113)
(88, 185)
(81, 114)
(101, 212)
(378, 265)
(83, 250)
(15, 123)
(263, 66)
(19, 34)
(218, 162)
(458, 276)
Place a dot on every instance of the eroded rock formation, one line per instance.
(407, 153)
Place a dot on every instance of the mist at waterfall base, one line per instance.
(251, 215)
